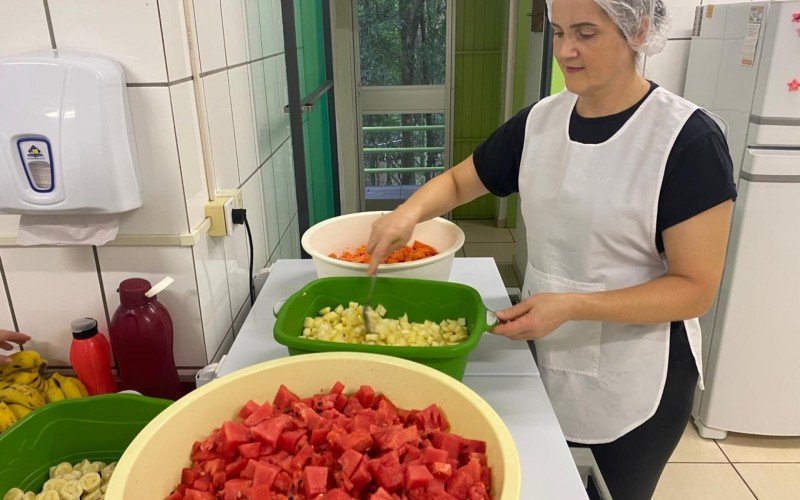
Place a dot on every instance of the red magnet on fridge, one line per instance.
(796, 17)
(794, 85)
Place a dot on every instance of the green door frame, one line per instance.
(298, 105)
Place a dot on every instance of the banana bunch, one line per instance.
(26, 385)
(82, 481)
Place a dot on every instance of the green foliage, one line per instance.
(402, 42)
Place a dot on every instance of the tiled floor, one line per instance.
(483, 239)
(740, 466)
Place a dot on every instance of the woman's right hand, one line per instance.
(389, 233)
(438, 196)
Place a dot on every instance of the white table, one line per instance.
(501, 371)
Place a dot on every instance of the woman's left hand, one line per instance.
(535, 317)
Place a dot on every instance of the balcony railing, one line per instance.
(401, 149)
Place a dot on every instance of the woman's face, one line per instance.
(589, 48)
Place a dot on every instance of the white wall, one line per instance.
(243, 76)
(668, 68)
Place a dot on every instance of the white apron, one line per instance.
(590, 212)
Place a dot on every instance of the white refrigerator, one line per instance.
(744, 65)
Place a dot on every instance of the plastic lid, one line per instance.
(84, 328)
(131, 291)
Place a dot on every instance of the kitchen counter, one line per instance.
(501, 371)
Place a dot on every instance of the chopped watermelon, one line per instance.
(192, 494)
(269, 431)
(284, 399)
(250, 450)
(417, 476)
(265, 473)
(430, 455)
(365, 395)
(248, 409)
(289, 439)
(349, 461)
(448, 442)
(334, 446)
(381, 494)
(315, 480)
(263, 412)
(260, 492)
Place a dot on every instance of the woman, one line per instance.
(626, 191)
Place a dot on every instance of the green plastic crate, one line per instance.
(96, 428)
(420, 299)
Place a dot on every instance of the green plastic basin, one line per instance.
(420, 299)
(96, 428)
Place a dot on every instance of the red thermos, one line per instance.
(141, 336)
(90, 356)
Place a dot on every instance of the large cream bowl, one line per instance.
(151, 466)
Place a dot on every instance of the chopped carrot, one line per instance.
(408, 253)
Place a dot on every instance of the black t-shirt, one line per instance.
(698, 174)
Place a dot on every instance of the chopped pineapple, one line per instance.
(347, 325)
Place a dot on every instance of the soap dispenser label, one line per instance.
(37, 162)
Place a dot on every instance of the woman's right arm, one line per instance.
(438, 196)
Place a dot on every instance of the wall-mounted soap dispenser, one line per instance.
(66, 137)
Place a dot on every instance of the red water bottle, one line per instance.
(141, 337)
(90, 356)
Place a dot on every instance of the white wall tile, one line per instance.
(285, 247)
(668, 68)
(288, 160)
(682, 12)
(274, 257)
(261, 111)
(235, 31)
(274, 106)
(176, 44)
(20, 33)
(210, 39)
(265, 13)
(220, 124)
(236, 260)
(6, 321)
(294, 235)
(223, 349)
(277, 26)
(252, 196)
(283, 98)
(281, 194)
(184, 110)
(259, 280)
(212, 287)
(50, 287)
(163, 209)
(126, 30)
(253, 23)
(243, 121)
(270, 205)
(181, 298)
(9, 224)
(240, 317)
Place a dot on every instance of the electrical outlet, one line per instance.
(236, 194)
(220, 211)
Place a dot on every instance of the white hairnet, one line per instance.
(632, 16)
